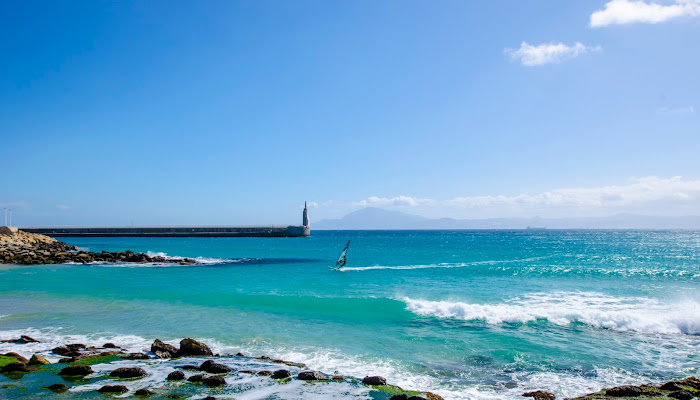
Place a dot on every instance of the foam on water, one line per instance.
(562, 308)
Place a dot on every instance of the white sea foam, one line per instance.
(199, 260)
(440, 265)
(563, 308)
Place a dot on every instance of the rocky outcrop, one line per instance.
(128, 373)
(56, 387)
(144, 393)
(374, 380)
(190, 347)
(32, 248)
(38, 360)
(214, 381)
(76, 370)
(176, 376)
(163, 350)
(311, 376)
(281, 374)
(24, 339)
(540, 395)
(214, 368)
(113, 389)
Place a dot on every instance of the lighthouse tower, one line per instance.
(305, 220)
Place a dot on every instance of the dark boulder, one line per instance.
(76, 370)
(56, 387)
(672, 386)
(338, 378)
(210, 398)
(196, 378)
(681, 395)
(401, 396)
(144, 393)
(163, 350)
(540, 395)
(190, 347)
(311, 376)
(281, 374)
(265, 373)
(60, 350)
(214, 368)
(110, 346)
(76, 346)
(374, 380)
(15, 367)
(134, 356)
(176, 376)
(214, 380)
(190, 367)
(417, 398)
(24, 339)
(38, 360)
(128, 373)
(691, 381)
(113, 389)
(17, 357)
(625, 391)
(246, 371)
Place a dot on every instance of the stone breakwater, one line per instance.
(195, 370)
(19, 247)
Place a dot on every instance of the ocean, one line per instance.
(464, 314)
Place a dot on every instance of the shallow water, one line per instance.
(465, 314)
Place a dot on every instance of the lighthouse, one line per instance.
(305, 216)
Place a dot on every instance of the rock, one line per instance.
(311, 376)
(681, 395)
(196, 378)
(76, 370)
(672, 386)
(374, 380)
(691, 381)
(190, 347)
(401, 396)
(144, 393)
(214, 368)
(246, 371)
(239, 354)
(539, 395)
(417, 398)
(113, 389)
(190, 367)
(24, 339)
(76, 346)
(60, 350)
(214, 381)
(15, 367)
(161, 349)
(110, 346)
(281, 374)
(56, 387)
(135, 356)
(128, 373)
(38, 360)
(625, 391)
(176, 376)
(210, 398)
(265, 373)
(17, 357)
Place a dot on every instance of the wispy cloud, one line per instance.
(401, 201)
(637, 193)
(674, 111)
(530, 55)
(621, 12)
(63, 207)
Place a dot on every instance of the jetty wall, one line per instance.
(179, 231)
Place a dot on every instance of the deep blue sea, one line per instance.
(465, 314)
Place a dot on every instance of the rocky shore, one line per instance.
(83, 365)
(19, 247)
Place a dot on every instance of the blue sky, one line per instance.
(230, 112)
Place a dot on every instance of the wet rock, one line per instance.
(401, 396)
(24, 339)
(17, 357)
(190, 347)
(672, 386)
(60, 350)
(76, 346)
(433, 396)
(539, 395)
(76, 370)
(163, 350)
(15, 367)
(196, 378)
(38, 360)
(113, 389)
(190, 367)
(239, 354)
(681, 395)
(134, 356)
(214, 368)
(246, 371)
(691, 381)
(144, 393)
(625, 391)
(176, 376)
(417, 398)
(56, 387)
(210, 398)
(374, 380)
(311, 376)
(110, 346)
(265, 373)
(128, 373)
(214, 380)
(338, 378)
(281, 374)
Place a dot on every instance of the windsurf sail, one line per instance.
(341, 260)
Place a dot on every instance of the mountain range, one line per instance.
(372, 218)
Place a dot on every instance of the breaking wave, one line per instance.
(560, 308)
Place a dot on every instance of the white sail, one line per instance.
(341, 260)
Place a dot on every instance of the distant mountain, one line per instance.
(372, 218)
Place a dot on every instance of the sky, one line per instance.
(236, 112)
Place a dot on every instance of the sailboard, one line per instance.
(341, 260)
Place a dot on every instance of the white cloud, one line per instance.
(63, 207)
(673, 111)
(620, 12)
(546, 53)
(405, 201)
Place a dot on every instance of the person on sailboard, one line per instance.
(341, 260)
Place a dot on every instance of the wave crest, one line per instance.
(560, 308)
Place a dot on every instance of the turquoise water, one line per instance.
(465, 314)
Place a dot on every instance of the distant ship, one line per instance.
(535, 228)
